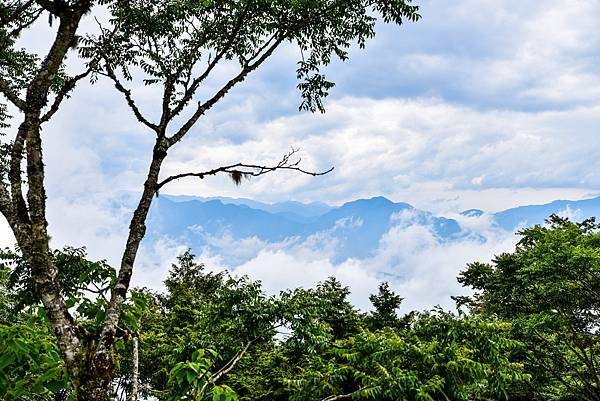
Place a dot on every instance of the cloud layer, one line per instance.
(418, 264)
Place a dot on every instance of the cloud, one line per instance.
(415, 150)
(571, 214)
(418, 264)
(516, 55)
(280, 270)
(154, 261)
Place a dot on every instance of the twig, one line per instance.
(239, 170)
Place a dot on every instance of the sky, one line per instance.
(481, 104)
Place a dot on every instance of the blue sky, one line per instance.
(482, 104)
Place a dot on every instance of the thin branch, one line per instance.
(342, 396)
(262, 48)
(204, 107)
(130, 102)
(19, 208)
(227, 367)
(239, 170)
(231, 364)
(60, 96)
(338, 397)
(11, 94)
(189, 91)
(165, 115)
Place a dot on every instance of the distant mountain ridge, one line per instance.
(510, 219)
(291, 209)
(355, 227)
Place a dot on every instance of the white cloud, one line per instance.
(280, 270)
(441, 150)
(512, 54)
(571, 214)
(419, 266)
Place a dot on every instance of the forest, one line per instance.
(528, 332)
(72, 328)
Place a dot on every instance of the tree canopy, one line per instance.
(529, 333)
(549, 289)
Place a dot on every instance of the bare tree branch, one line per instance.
(232, 362)
(189, 92)
(19, 207)
(227, 367)
(238, 171)
(338, 397)
(341, 396)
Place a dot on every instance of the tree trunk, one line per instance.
(137, 230)
(94, 389)
(135, 370)
(28, 220)
(94, 381)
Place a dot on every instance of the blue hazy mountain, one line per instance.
(356, 227)
(524, 216)
(291, 209)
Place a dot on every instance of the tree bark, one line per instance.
(28, 220)
(135, 369)
(103, 358)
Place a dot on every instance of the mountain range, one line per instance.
(353, 229)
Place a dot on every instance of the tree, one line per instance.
(549, 289)
(31, 366)
(214, 334)
(386, 302)
(437, 356)
(169, 41)
(202, 316)
(38, 80)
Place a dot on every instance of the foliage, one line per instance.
(30, 363)
(31, 366)
(201, 311)
(439, 356)
(385, 304)
(325, 348)
(549, 289)
(85, 284)
(168, 39)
